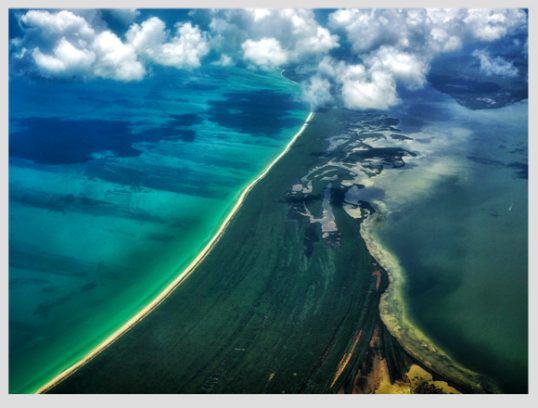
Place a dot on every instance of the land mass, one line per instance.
(287, 300)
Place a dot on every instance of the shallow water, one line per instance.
(458, 225)
(114, 189)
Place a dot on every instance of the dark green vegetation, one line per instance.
(273, 308)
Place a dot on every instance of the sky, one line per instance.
(359, 58)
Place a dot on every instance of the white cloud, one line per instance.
(492, 24)
(494, 65)
(59, 24)
(266, 53)
(297, 32)
(317, 90)
(62, 43)
(359, 86)
(431, 30)
(319, 42)
(147, 37)
(440, 40)
(388, 48)
(361, 90)
(369, 29)
(115, 59)
(259, 13)
(75, 47)
(307, 36)
(396, 47)
(184, 50)
(408, 68)
(66, 59)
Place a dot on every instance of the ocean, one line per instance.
(114, 188)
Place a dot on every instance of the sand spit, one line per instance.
(393, 312)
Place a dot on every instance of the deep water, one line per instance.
(115, 187)
(460, 233)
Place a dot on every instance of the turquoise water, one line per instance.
(114, 189)
(460, 233)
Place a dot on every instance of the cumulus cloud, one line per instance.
(395, 47)
(291, 35)
(358, 86)
(184, 50)
(492, 24)
(317, 90)
(148, 36)
(368, 29)
(65, 59)
(60, 24)
(494, 65)
(363, 90)
(266, 53)
(360, 57)
(116, 59)
(434, 30)
(409, 68)
(62, 44)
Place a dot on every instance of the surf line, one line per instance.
(179, 279)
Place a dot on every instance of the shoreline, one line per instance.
(182, 276)
(393, 314)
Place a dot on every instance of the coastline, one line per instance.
(238, 324)
(393, 313)
(182, 276)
